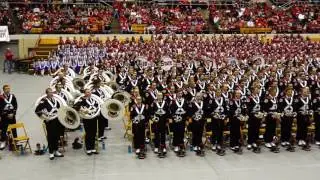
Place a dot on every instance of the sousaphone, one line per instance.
(113, 85)
(122, 96)
(89, 113)
(66, 115)
(78, 83)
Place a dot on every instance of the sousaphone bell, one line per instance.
(112, 109)
(68, 117)
(122, 96)
(78, 83)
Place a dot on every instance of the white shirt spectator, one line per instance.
(250, 23)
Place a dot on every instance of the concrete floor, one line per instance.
(115, 163)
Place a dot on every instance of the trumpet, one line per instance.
(155, 119)
(276, 115)
(219, 116)
(260, 115)
(289, 114)
(307, 112)
(243, 118)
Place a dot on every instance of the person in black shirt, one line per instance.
(219, 112)
(160, 111)
(286, 107)
(237, 113)
(270, 107)
(178, 108)
(47, 109)
(85, 104)
(255, 117)
(303, 106)
(196, 112)
(139, 115)
(102, 122)
(8, 110)
(316, 109)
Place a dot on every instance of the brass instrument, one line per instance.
(113, 109)
(66, 115)
(92, 112)
(122, 96)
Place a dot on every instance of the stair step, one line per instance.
(45, 53)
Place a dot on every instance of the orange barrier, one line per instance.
(255, 30)
(138, 28)
(36, 30)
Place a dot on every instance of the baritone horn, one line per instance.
(112, 109)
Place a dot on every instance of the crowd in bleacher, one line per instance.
(69, 20)
(161, 19)
(219, 49)
(298, 18)
(155, 18)
(5, 19)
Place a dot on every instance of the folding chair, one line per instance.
(127, 123)
(152, 134)
(188, 135)
(170, 135)
(22, 140)
(207, 133)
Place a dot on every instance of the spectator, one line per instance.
(8, 61)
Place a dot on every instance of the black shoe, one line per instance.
(275, 149)
(290, 148)
(256, 150)
(141, 155)
(76, 145)
(89, 153)
(221, 152)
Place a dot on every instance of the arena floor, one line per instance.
(115, 163)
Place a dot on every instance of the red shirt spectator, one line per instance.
(8, 55)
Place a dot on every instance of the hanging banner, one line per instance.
(4, 34)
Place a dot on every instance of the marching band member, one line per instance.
(58, 89)
(303, 107)
(219, 112)
(286, 106)
(316, 110)
(86, 104)
(196, 112)
(49, 106)
(178, 107)
(151, 94)
(160, 110)
(270, 106)
(8, 110)
(255, 117)
(139, 113)
(133, 82)
(102, 122)
(237, 113)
